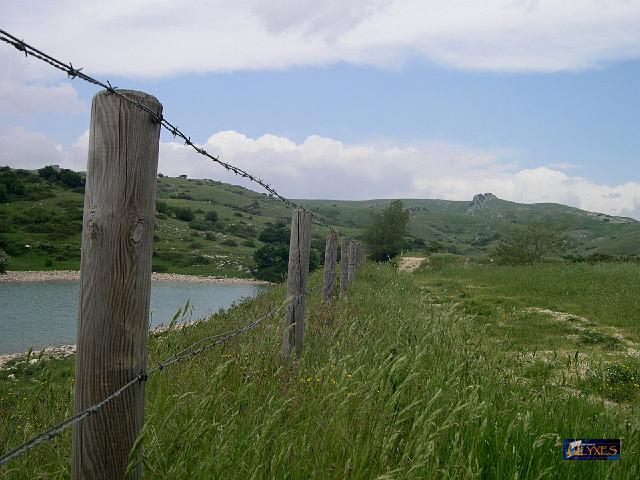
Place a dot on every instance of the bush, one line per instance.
(71, 179)
(241, 230)
(528, 245)
(185, 214)
(249, 243)
(162, 207)
(211, 216)
(272, 262)
(229, 242)
(276, 233)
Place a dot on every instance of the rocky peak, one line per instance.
(478, 202)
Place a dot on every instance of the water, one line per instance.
(39, 314)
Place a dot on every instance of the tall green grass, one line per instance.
(605, 293)
(388, 386)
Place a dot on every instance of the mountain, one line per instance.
(475, 226)
(208, 227)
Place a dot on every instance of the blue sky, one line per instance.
(344, 103)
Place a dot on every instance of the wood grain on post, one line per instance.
(297, 281)
(115, 280)
(351, 264)
(330, 254)
(344, 266)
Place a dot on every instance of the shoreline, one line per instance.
(56, 275)
(63, 351)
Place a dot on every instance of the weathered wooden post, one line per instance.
(360, 255)
(351, 265)
(344, 265)
(115, 280)
(297, 280)
(330, 254)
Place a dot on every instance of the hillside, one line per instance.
(472, 227)
(208, 227)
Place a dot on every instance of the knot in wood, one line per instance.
(137, 232)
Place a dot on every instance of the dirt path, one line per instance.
(409, 264)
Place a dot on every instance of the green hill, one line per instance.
(474, 227)
(210, 228)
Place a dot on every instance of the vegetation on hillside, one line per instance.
(430, 375)
(210, 228)
(529, 245)
(384, 235)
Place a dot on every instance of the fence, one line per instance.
(115, 277)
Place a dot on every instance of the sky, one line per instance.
(532, 100)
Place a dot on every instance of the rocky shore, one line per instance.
(35, 356)
(45, 276)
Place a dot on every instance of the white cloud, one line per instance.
(155, 38)
(24, 149)
(28, 89)
(323, 167)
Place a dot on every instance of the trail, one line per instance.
(409, 264)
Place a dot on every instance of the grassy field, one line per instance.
(444, 373)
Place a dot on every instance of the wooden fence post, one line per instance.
(344, 265)
(351, 268)
(115, 281)
(297, 280)
(360, 256)
(330, 254)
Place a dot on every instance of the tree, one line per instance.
(71, 179)
(272, 259)
(272, 262)
(276, 233)
(384, 234)
(48, 173)
(528, 245)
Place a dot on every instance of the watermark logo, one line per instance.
(591, 449)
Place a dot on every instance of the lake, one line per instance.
(39, 314)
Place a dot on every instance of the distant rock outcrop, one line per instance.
(478, 202)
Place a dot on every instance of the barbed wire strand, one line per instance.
(156, 117)
(190, 351)
(205, 344)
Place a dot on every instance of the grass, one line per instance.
(394, 382)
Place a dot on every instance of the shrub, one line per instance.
(71, 179)
(242, 230)
(528, 245)
(272, 261)
(185, 214)
(211, 216)
(229, 242)
(249, 242)
(276, 233)
(162, 207)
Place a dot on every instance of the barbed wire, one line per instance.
(203, 345)
(199, 346)
(156, 117)
(191, 351)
